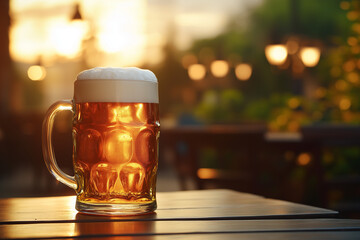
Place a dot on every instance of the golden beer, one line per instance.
(116, 151)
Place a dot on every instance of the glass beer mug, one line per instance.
(115, 141)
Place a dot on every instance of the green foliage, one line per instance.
(341, 161)
(220, 107)
(267, 94)
(257, 110)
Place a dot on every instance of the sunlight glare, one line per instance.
(67, 37)
(45, 29)
(26, 45)
(122, 32)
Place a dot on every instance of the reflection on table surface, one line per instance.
(201, 214)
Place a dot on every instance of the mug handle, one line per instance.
(48, 151)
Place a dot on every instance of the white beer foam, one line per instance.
(116, 85)
(128, 73)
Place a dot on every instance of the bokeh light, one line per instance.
(345, 103)
(341, 85)
(304, 159)
(207, 173)
(310, 56)
(46, 28)
(294, 102)
(349, 66)
(345, 5)
(276, 54)
(352, 15)
(219, 68)
(36, 73)
(353, 77)
(243, 71)
(352, 41)
(197, 72)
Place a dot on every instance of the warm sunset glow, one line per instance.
(26, 45)
(243, 71)
(36, 73)
(67, 37)
(197, 72)
(276, 54)
(219, 68)
(310, 56)
(121, 30)
(352, 41)
(45, 28)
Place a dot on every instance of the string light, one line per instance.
(36, 73)
(276, 54)
(219, 68)
(196, 72)
(243, 71)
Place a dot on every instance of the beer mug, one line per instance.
(115, 135)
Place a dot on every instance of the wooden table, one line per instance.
(203, 214)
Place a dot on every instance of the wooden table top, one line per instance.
(203, 214)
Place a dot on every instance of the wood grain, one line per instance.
(203, 214)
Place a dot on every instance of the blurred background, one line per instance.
(260, 96)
